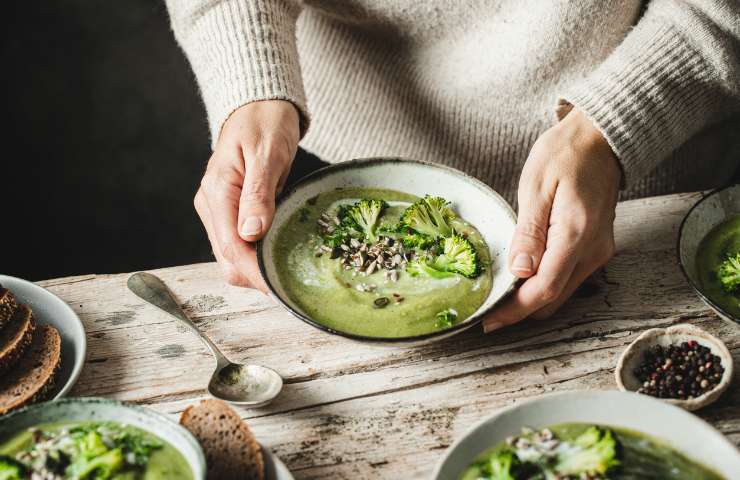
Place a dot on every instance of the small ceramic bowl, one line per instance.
(632, 356)
(681, 430)
(102, 409)
(707, 213)
(48, 309)
(473, 200)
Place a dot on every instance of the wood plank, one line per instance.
(353, 410)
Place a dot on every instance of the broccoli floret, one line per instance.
(593, 453)
(430, 216)
(11, 469)
(499, 466)
(101, 467)
(365, 214)
(91, 445)
(420, 267)
(336, 235)
(446, 318)
(417, 241)
(729, 273)
(458, 256)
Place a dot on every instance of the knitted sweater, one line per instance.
(472, 83)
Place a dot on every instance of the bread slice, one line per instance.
(8, 306)
(15, 338)
(231, 450)
(33, 377)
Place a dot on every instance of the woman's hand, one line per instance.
(567, 195)
(236, 198)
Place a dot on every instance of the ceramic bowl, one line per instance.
(678, 428)
(48, 309)
(102, 409)
(472, 200)
(707, 213)
(632, 356)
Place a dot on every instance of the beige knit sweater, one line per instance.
(472, 83)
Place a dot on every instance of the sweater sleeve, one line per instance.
(241, 51)
(676, 73)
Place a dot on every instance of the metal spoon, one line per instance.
(248, 385)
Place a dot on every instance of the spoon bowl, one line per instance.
(245, 385)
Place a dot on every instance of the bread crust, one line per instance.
(8, 306)
(34, 376)
(16, 337)
(232, 451)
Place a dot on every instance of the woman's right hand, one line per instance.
(236, 198)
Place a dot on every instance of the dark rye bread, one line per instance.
(32, 378)
(8, 306)
(15, 338)
(232, 452)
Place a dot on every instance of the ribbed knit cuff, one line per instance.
(650, 96)
(243, 52)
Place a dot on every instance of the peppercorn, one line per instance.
(682, 371)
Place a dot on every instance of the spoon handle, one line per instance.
(152, 289)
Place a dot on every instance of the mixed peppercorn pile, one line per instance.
(680, 371)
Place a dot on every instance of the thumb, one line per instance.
(530, 235)
(257, 202)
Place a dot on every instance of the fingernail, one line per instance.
(251, 226)
(491, 326)
(523, 263)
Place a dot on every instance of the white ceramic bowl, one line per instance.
(707, 213)
(683, 431)
(473, 200)
(677, 334)
(103, 409)
(48, 309)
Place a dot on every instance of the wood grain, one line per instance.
(351, 410)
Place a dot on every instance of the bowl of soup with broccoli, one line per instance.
(590, 435)
(96, 439)
(389, 250)
(709, 250)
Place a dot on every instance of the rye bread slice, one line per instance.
(8, 306)
(231, 450)
(33, 377)
(16, 337)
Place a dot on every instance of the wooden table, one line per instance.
(350, 410)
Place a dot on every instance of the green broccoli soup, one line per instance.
(381, 263)
(573, 451)
(718, 265)
(90, 450)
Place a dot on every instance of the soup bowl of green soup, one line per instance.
(709, 250)
(389, 250)
(96, 438)
(591, 434)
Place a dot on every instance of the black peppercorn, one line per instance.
(680, 371)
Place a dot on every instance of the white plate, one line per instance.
(48, 309)
(676, 427)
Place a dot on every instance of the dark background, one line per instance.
(105, 140)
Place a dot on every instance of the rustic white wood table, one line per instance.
(350, 410)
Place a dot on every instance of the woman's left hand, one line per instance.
(567, 197)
